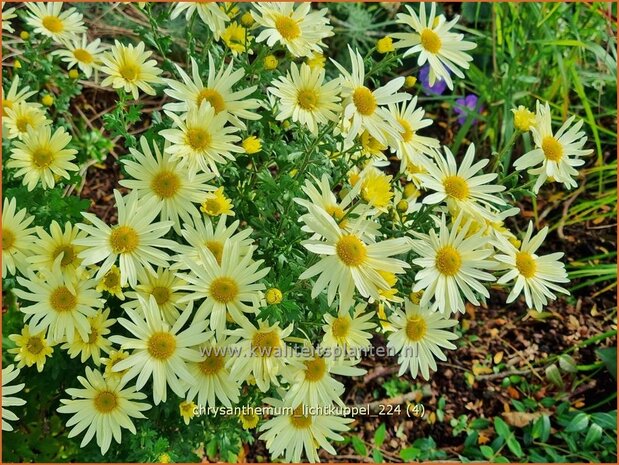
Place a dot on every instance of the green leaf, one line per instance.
(609, 356)
(567, 363)
(379, 435)
(359, 447)
(377, 456)
(514, 446)
(593, 435)
(605, 420)
(487, 451)
(578, 423)
(409, 454)
(501, 428)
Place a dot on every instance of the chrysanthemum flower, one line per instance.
(231, 286)
(41, 156)
(217, 204)
(209, 12)
(305, 97)
(294, 434)
(50, 245)
(128, 68)
(412, 148)
(201, 139)
(49, 19)
(237, 39)
(32, 348)
(160, 351)
(158, 176)
(418, 336)
(311, 380)
(363, 107)
(23, 117)
(349, 260)
(186, 409)
(433, 40)
(17, 238)
(7, 15)
(163, 286)
(111, 282)
(213, 380)
(79, 52)
(558, 153)
(112, 359)
(376, 188)
(15, 95)
(299, 29)
(461, 188)
(535, 275)
(102, 408)
(136, 239)
(62, 303)
(202, 234)
(524, 119)
(218, 91)
(347, 333)
(8, 376)
(261, 352)
(96, 341)
(451, 262)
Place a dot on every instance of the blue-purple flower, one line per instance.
(466, 105)
(424, 77)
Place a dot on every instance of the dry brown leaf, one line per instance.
(520, 419)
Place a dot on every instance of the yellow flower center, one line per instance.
(124, 239)
(68, 254)
(62, 300)
(553, 150)
(364, 100)
(408, 133)
(216, 248)
(111, 279)
(212, 364)
(161, 345)
(93, 336)
(8, 239)
(526, 264)
(53, 24)
(287, 27)
(213, 97)
(34, 345)
(161, 294)
(264, 342)
(307, 99)
(430, 41)
(42, 157)
(224, 289)
(22, 123)
(448, 260)
(165, 184)
(298, 420)
(83, 55)
(416, 328)
(198, 139)
(340, 327)
(106, 402)
(456, 187)
(129, 71)
(351, 251)
(315, 369)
